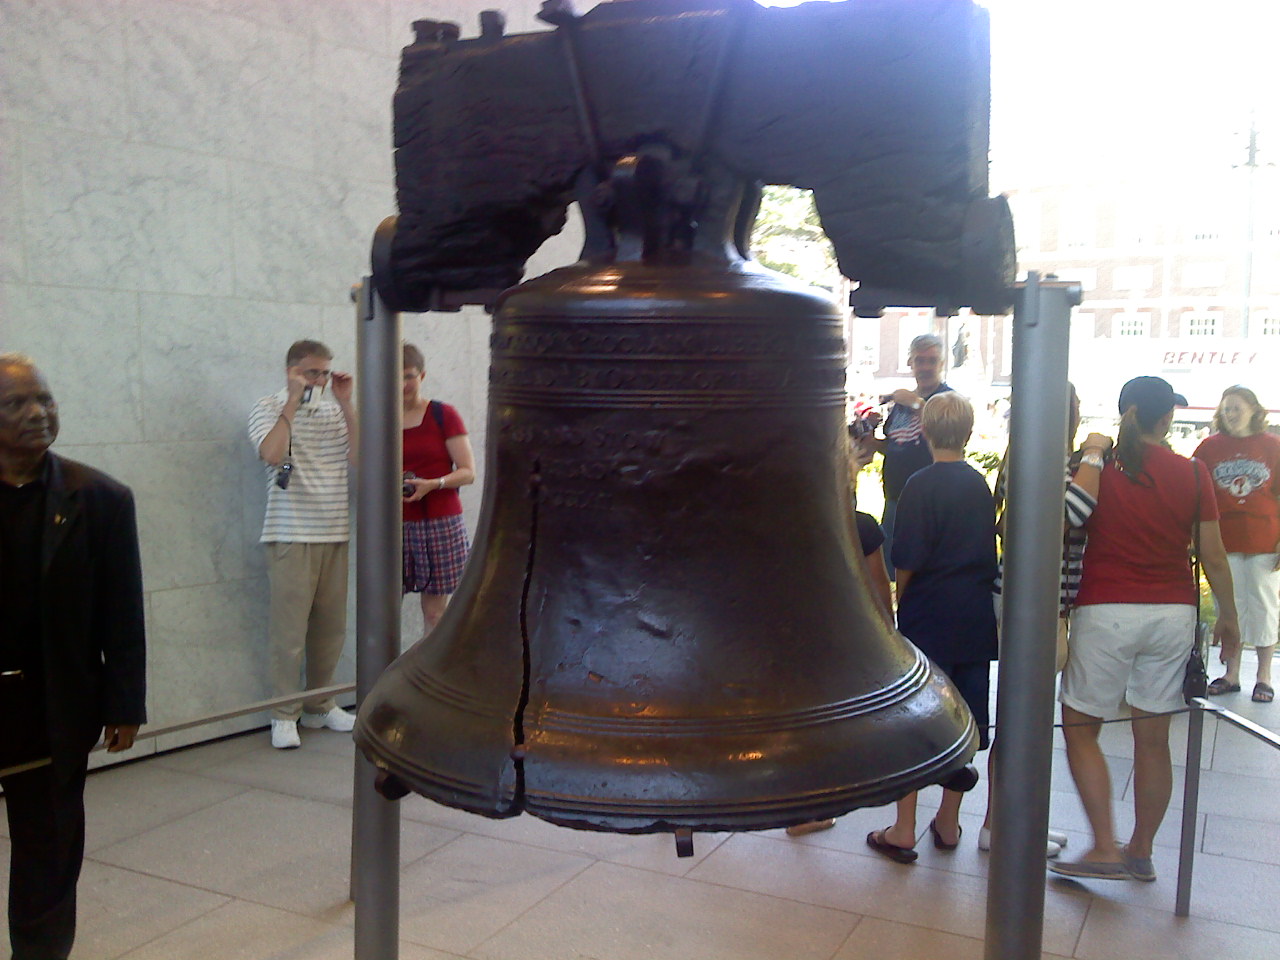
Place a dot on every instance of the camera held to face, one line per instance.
(283, 474)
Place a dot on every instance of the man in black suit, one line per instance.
(72, 652)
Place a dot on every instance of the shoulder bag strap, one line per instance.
(1195, 562)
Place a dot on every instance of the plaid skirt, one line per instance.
(435, 551)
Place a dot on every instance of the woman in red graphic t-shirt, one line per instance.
(437, 461)
(1244, 462)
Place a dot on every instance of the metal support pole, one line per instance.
(1032, 569)
(1190, 808)
(375, 822)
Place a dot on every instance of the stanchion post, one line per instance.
(1190, 809)
(1032, 570)
(375, 826)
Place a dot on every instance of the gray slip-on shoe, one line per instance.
(1091, 870)
(1139, 867)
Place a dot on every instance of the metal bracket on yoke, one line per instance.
(684, 842)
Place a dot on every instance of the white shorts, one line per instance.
(1257, 590)
(1127, 652)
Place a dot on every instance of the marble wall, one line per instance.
(186, 187)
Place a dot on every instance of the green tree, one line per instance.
(788, 238)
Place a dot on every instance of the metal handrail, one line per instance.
(1268, 737)
(161, 730)
(1191, 786)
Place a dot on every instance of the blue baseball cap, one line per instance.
(1153, 396)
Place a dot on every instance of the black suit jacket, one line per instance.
(91, 608)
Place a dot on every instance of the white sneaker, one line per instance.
(1051, 846)
(284, 734)
(336, 719)
(1056, 836)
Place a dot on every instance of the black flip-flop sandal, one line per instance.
(941, 844)
(877, 842)
(1262, 692)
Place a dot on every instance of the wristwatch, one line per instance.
(1093, 460)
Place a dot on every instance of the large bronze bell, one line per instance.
(664, 623)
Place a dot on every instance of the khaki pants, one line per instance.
(308, 615)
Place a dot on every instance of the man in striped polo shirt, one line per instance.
(306, 436)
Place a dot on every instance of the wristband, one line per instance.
(1092, 460)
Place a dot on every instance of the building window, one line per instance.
(1269, 324)
(864, 345)
(1201, 324)
(1204, 274)
(1077, 224)
(1087, 277)
(1026, 222)
(1135, 224)
(1134, 278)
(1132, 324)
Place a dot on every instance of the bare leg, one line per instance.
(1232, 676)
(947, 822)
(1264, 663)
(903, 831)
(433, 605)
(991, 785)
(1093, 781)
(1152, 778)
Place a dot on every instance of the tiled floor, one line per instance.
(234, 850)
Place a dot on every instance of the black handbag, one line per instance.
(1195, 681)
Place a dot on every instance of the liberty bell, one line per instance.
(664, 624)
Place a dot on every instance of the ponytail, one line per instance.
(1130, 447)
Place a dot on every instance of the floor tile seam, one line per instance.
(1211, 775)
(456, 835)
(101, 850)
(878, 916)
(1175, 813)
(333, 928)
(1084, 922)
(200, 916)
(250, 787)
(1193, 918)
(406, 864)
(161, 877)
(164, 823)
(785, 899)
(858, 920)
(470, 951)
(1227, 857)
(595, 858)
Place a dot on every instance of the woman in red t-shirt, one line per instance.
(1134, 623)
(1244, 461)
(437, 460)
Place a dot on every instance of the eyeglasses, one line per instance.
(317, 374)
